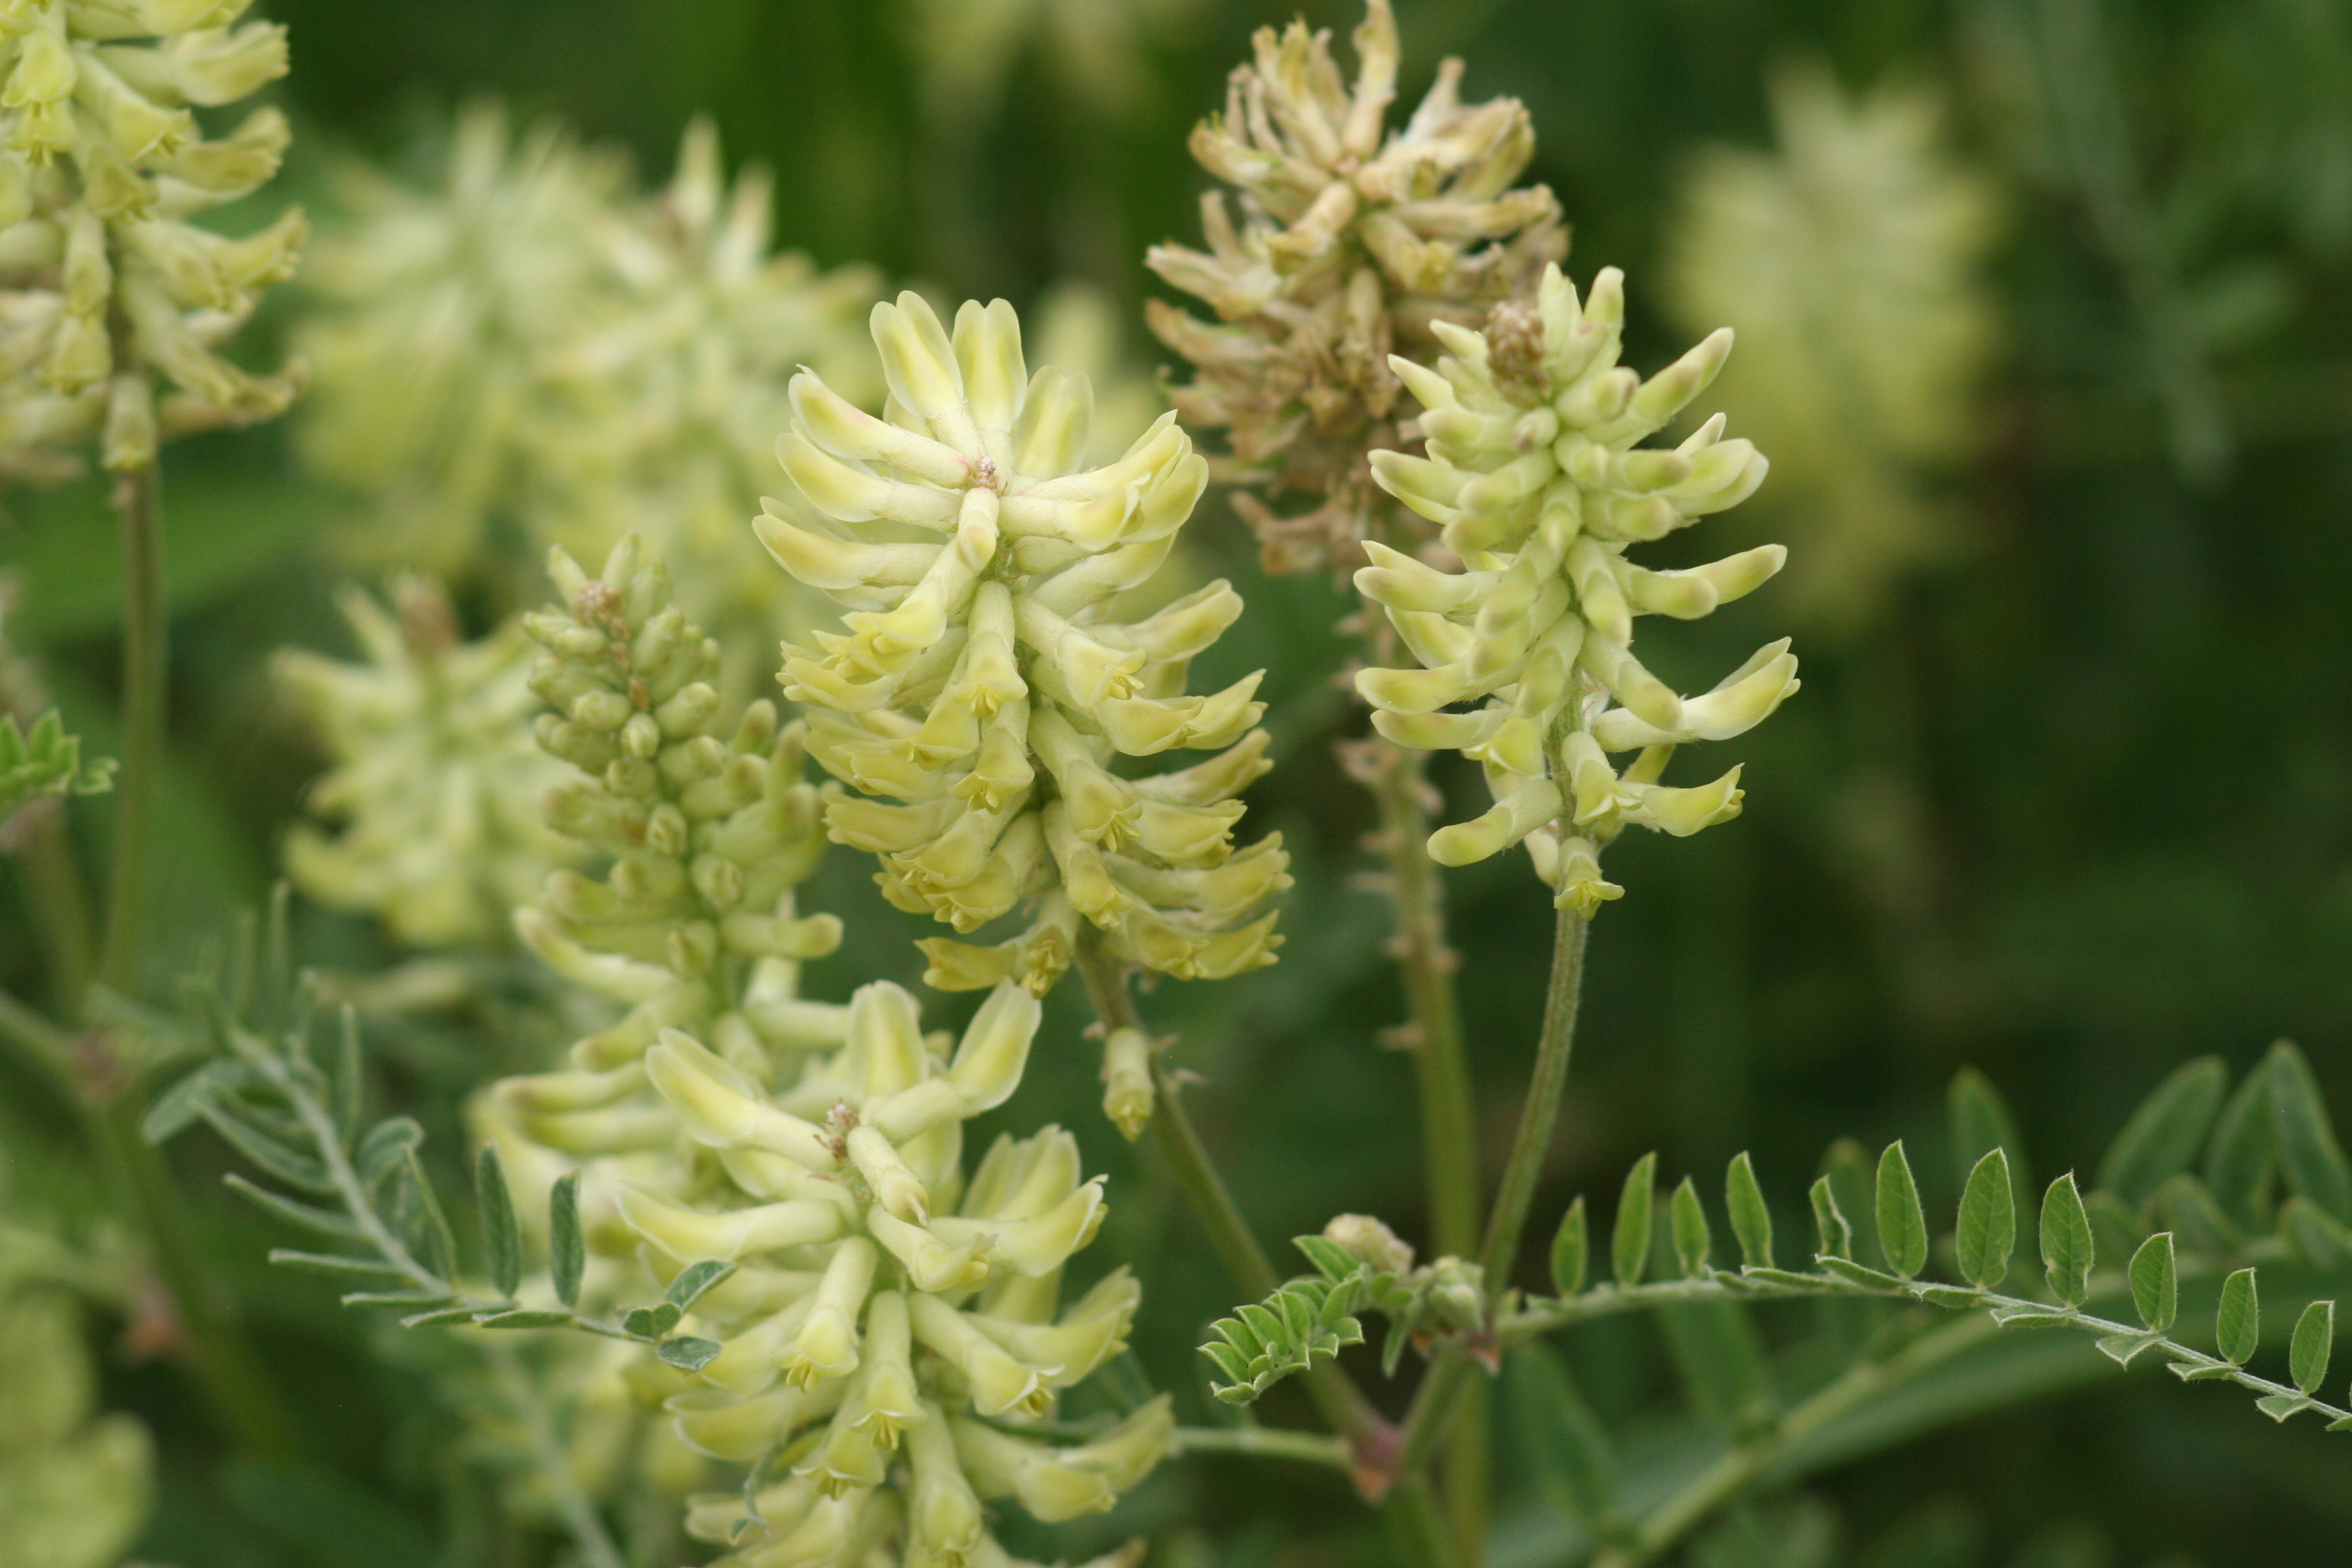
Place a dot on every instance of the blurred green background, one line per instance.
(2071, 803)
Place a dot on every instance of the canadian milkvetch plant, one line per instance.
(102, 164)
(1354, 240)
(1537, 479)
(982, 678)
(434, 796)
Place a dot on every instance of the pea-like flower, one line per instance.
(436, 779)
(886, 1313)
(981, 682)
(1535, 477)
(102, 163)
(1354, 240)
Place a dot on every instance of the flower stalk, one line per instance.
(146, 678)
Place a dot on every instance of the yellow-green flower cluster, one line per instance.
(435, 309)
(535, 344)
(1849, 261)
(664, 410)
(74, 1488)
(1536, 479)
(1354, 241)
(435, 780)
(102, 163)
(692, 926)
(982, 679)
(889, 1314)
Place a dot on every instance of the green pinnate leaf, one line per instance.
(2188, 1209)
(2067, 1252)
(1836, 1235)
(1854, 1180)
(2313, 1345)
(1629, 1244)
(501, 1235)
(567, 1249)
(1751, 1221)
(1987, 1232)
(2312, 1235)
(651, 1322)
(1330, 1259)
(1571, 1246)
(2161, 1138)
(1694, 1240)
(387, 1143)
(2308, 1155)
(1902, 1223)
(2156, 1282)
(2238, 1322)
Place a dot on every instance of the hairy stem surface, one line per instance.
(146, 673)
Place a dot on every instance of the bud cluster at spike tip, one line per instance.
(110, 287)
(693, 926)
(1535, 478)
(437, 779)
(1354, 241)
(979, 681)
(891, 1326)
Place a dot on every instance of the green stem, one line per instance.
(60, 910)
(1733, 1475)
(224, 1361)
(1448, 1384)
(1538, 1118)
(573, 1503)
(1343, 1406)
(1265, 1442)
(1396, 778)
(146, 674)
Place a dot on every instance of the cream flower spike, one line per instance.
(981, 681)
(437, 778)
(102, 163)
(1535, 477)
(1354, 239)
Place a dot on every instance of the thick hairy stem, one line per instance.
(1737, 1472)
(571, 1500)
(146, 672)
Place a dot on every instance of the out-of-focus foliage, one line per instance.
(1850, 262)
(1979, 835)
